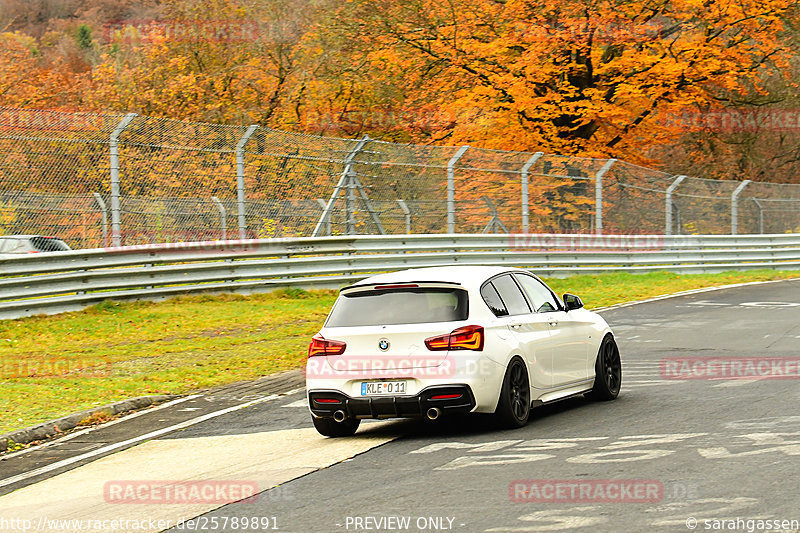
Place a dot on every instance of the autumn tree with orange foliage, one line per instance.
(28, 79)
(211, 60)
(574, 77)
(590, 78)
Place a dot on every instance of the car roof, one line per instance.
(467, 276)
(25, 237)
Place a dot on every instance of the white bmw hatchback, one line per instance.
(437, 341)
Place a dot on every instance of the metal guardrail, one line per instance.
(64, 281)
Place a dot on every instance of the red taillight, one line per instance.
(327, 400)
(322, 346)
(446, 396)
(466, 338)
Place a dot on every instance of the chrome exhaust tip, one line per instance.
(433, 413)
(339, 416)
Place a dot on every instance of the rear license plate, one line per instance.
(374, 388)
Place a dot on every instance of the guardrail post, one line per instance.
(598, 196)
(407, 213)
(668, 202)
(223, 217)
(735, 206)
(525, 207)
(345, 182)
(113, 147)
(760, 215)
(240, 179)
(104, 211)
(451, 189)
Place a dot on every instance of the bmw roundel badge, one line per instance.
(383, 345)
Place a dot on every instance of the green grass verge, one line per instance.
(52, 366)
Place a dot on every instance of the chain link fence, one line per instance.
(104, 180)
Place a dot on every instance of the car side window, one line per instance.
(492, 299)
(511, 295)
(540, 296)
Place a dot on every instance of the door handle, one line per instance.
(516, 326)
(553, 323)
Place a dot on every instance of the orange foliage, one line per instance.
(28, 80)
(211, 60)
(573, 77)
(586, 77)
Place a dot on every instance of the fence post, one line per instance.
(451, 189)
(760, 216)
(113, 146)
(327, 220)
(349, 206)
(735, 206)
(345, 182)
(407, 213)
(104, 211)
(598, 196)
(223, 217)
(355, 184)
(494, 221)
(525, 207)
(240, 179)
(668, 202)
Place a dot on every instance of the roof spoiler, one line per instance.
(399, 285)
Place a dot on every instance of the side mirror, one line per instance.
(572, 302)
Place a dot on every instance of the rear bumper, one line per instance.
(457, 399)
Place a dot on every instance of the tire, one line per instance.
(331, 428)
(515, 396)
(607, 371)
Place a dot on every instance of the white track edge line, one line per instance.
(157, 433)
(687, 292)
(124, 418)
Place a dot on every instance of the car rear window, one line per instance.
(49, 244)
(399, 306)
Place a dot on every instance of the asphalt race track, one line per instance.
(716, 452)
